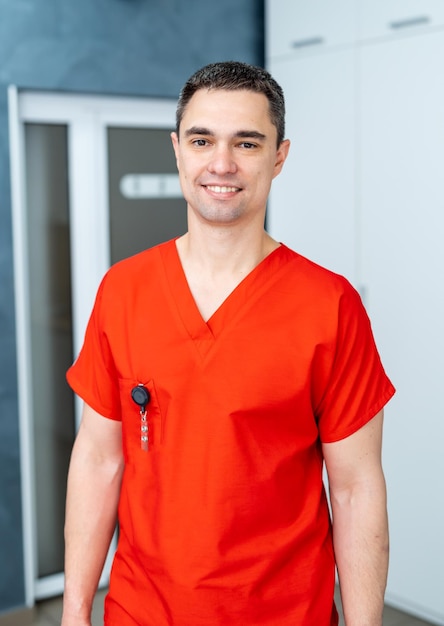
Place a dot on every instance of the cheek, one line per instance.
(186, 168)
(263, 180)
(183, 173)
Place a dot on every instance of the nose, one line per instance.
(222, 161)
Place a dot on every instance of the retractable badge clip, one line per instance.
(141, 396)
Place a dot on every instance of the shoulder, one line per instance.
(137, 270)
(315, 281)
(139, 262)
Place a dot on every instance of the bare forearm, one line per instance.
(93, 491)
(360, 532)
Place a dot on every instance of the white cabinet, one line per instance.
(297, 27)
(402, 218)
(301, 26)
(312, 200)
(382, 18)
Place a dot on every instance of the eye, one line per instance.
(248, 145)
(199, 142)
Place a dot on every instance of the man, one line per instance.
(219, 372)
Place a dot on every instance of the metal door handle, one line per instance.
(309, 41)
(420, 20)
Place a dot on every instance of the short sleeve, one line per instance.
(93, 375)
(357, 387)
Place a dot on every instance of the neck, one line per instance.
(224, 251)
(216, 263)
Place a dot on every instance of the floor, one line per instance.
(48, 614)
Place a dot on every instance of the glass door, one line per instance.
(146, 206)
(50, 320)
(94, 180)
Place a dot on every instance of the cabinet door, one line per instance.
(294, 26)
(402, 202)
(382, 18)
(312, 200)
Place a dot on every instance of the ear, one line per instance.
(281, 155)
(175, 142)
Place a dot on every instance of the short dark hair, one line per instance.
(234, 75)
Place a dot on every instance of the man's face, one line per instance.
(227, 156)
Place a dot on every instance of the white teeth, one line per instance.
(218, 189)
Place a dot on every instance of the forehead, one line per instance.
(223, 109)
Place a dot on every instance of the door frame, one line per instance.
(87, 118)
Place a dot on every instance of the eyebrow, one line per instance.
(241, 134)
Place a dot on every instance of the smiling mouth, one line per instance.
(221, 188)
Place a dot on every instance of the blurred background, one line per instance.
(87, 177)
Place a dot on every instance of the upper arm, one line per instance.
(99, 437)
(355, 460)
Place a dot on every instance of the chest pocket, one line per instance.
(142, 426)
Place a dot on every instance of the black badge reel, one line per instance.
(141, 396)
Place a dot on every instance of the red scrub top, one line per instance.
(224, 519)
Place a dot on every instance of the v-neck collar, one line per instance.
(197, 328)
